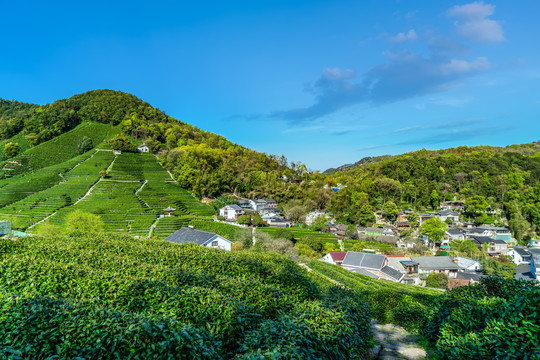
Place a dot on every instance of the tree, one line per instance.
(319, 224)
(390, 211)
(85, 145)
(476, 204)
(244, 219)
(434, 228)
(121, 142)
(11, 149)
(435, 199)
(295, 213)
(493, 267)
(466, 247)
(365, 215)
(283, 234)
(84, 222)
(437, 280)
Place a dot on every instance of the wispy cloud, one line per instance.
(404, 37)
(454, 135)
(445, 125)
(472, 22)
(405, 73)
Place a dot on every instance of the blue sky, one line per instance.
(322, 82)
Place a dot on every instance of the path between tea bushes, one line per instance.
(393, 342)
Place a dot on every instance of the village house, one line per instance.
(244, 204)
(313, 215)
(438, 264)
(453, 205)
(270, 203)
(520, 256)
(257, 204)
(341, 231)
(334, 257)
(493, 247)
(371, 264)
(535, 243)
(209, 239)
(469, 265)
(403, 224)
(497, 233)
(407, 266)
(143, 148)
(424, 217)
(443, 215)
(455, 234)
(231, 212)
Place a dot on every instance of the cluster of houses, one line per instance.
(414, 269)
(266, 208)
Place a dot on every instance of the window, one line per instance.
(214, 243)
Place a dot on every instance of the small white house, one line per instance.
(520, 256)
(209, 239)
(313, 215)
(448, 214)
(231, 212)
(143, 148)
(468, 264)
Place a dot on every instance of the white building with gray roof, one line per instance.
(187, 235)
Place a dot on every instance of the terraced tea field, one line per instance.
(130, 199)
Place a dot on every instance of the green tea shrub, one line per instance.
(498, 318)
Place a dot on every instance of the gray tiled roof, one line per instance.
(358, 259)
(447, 213)
(523, 272)
(392, 273)
(188, 235)
(522, 252)
(436, 263)
(475, 276)
(455, 232)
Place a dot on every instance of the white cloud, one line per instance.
(404, 37)
(338, 74)
(472, 22)
(457, 66)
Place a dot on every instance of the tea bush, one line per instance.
(92, 295)
(497, 318)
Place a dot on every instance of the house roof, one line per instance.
(522, 252)
(338, 255)
(234, 207)
(436, 263)
(499, 242)
(474, 276)
(454, 232)
(189, 235)
(392, 273)
(169, 209)
(358, 259)
(447, 213)
(466, 262)
(481, 239)
(408, 263)
(364, 272)
(523, 272)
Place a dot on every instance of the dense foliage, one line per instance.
(498, 318)
(118, 297)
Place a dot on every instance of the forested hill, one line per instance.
(203, 162)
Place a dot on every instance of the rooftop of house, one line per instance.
(493, 228)
(372, 229)
(190, 235)
(233, 206)
(454, 232)
(436, 263)
(481, 239)
(523, 272)
(464, 262)
(447, 213)
(358, 259)
(522, 252)
(392, 273)
(338, 255)
(474, 276)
